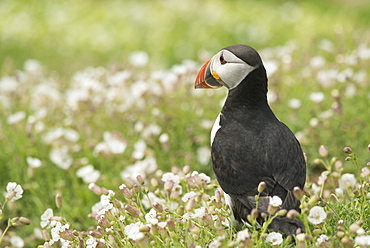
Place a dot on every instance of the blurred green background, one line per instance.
(69, 36)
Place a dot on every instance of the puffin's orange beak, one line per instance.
(205, 79)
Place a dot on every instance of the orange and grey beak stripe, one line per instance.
(206, 78)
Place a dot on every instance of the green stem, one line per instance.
(6, 229)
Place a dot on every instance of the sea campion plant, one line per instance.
(184, 208)
(13, 192)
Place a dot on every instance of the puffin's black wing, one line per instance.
(259, 149)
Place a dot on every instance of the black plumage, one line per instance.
(252, 145)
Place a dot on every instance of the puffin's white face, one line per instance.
(229, 69)
(224, 69)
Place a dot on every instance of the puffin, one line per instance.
(249, 144)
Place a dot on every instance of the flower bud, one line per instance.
(317, 161)
(194, 229)
(171, 225)
(180, 210)
(24, 221)
(67, 235)
(354, 228)
(347, 150)
(186, 169)
(298, 192)
(157, 207)
(59, 201)
(190, 205)
(133, 211)
(95, 189)
(96, 234)
(346, 242)
(144, 228)
(254, 213)
(175, 194)
(323, 151)
(1, 214)
(218, 195)
(127, 193)
(154, 182)
(313, 200)
(271, 209)
(45, 235)
(129, 182)
(340, 234)
(135, 189)
(292, 214)
(140, 179)
(103, 221)
(282, 212)
(261, 187)
(168, 185)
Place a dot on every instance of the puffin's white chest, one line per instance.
(215, 128)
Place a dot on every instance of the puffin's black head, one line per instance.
(229, 67)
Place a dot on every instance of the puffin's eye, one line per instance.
(222, 60)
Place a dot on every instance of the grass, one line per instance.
(83, 58)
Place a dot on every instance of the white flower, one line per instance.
(33, 162)
(32, 66)
(56, 230)
(57, 133)
(322, 239)
(201, 176)
(16, 117)
(295, 103)
(323, 177)
(8, 84)
(138, 58)
(88, 174)
(16, 241)
(317, 215)
(274, 238)
(199, 212)
(141, 167)
(169, 176)
(132, 231)
(111, 144)
(139, 149)
(61, 157)
(317, 61)
(242, 235)
(275, 201)
(151, 217)
(217, 243)
(363, 240)
(317, 97)
(150, 130)
(204, 155)
(347, 181)
(162, 224)
(164, 138)
(14, 191)
(91, 243)
(46, 218)
(152, 199)
(339, 192)
(189, 195)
